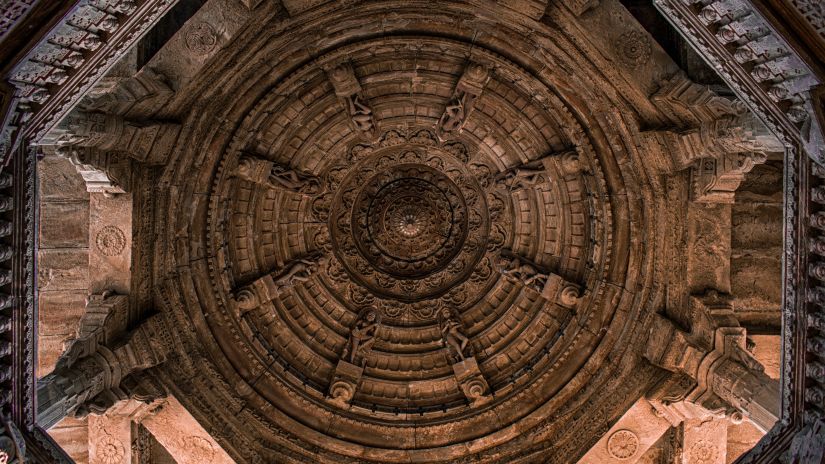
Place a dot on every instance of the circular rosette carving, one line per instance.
(110, 450)
(623, 444)
(402, 227)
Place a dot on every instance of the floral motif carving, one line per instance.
(634, 48)
(704, 452)
(110, 450)
(201, 39)
(623, 444)
(110, 241)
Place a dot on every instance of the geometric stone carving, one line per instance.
(461, 105)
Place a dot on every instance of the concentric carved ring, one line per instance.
(402, 225)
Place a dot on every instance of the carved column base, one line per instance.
(344, 383)
(472, 382)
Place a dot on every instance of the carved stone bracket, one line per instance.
(348, 90)
(273, 175)
(461, 104)
(97, 180)
(344, 383)
(715, 180)
(150, 142)
(472, 382)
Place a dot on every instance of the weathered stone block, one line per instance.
(64, 225)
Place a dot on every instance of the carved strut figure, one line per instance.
(524, 177)
(361, 338)
(360, 113)
(291, 180)
(522, 271)
(299, 270)
(452, 334)
(454, 115)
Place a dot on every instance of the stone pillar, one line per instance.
(88, 375)
(726, 379)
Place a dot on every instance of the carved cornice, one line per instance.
(755, 61)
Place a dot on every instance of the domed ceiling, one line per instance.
(412, 234)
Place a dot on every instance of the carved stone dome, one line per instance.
(455, 192)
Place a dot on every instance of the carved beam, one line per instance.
(352, 98)
(461, 104)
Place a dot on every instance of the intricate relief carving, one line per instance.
(452, 334)
(201, 39)
(461, 104)
(109, 450)
(634, 48)
(402, 225)
(110, 241)
(271, 174)
(521, 270)
(362, 337)
(348, 89)
(623, 444)
(704, 452)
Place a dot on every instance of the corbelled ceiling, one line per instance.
(421, 165)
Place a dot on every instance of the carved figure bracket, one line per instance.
(276, 176)
(461, 104)
(349, 92)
